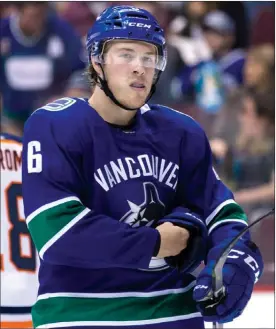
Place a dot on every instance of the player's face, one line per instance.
(32, 18)
(254, 72)
(130, 69)
(216, 41)
(196, 9)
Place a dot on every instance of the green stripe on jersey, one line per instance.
(48, 223)
(99, 311)
(230, 212)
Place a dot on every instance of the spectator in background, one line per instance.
(225, 125)
(198, 79)
(219, 32)
(189, 23)
(237, 10)
(247, 164)
(259, 70)
(39, 51)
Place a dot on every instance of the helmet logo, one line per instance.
(146, 26)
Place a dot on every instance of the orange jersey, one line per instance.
(18, 257)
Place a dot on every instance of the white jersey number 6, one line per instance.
(34, 157)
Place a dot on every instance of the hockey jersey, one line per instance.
(89, 189)
(19, 281)
(210, 80)
(231, 66)
(32, 70)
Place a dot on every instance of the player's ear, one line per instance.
(96, 67)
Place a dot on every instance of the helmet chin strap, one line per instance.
(104, 86)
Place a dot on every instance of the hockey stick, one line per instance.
(217, 278)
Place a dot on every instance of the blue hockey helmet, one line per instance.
(129, 23)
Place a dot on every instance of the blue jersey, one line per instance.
(209, 80)
(32, 70)
(231, 65)
(90, 191)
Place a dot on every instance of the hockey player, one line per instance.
(122, 201)
(18, 256)
(39, 51)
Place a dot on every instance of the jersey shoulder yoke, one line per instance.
(174, 119)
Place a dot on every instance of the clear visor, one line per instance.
(128, 56)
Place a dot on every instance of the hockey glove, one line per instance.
(241, 270)
(196, 250)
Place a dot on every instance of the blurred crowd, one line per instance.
(220, 71)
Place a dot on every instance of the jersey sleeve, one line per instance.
(201, 189)
(64, 230)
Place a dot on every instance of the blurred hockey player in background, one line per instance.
(19, 261)
(122, 201)
(39, 51)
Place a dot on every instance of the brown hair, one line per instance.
(264, 104)
(91, 75)
(265, 55)
(90, 72)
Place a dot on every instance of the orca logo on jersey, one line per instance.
(147, 214)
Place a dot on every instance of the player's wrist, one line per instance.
(157, 244)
